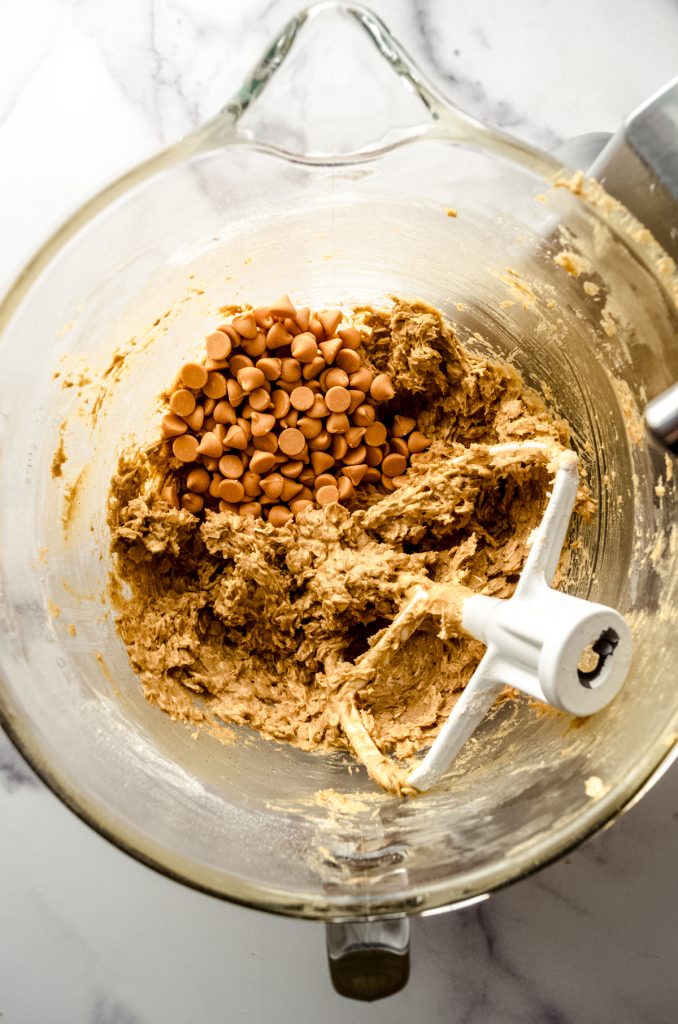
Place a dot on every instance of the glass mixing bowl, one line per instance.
(331, 210)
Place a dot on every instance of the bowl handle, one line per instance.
(369, 960)
(295, 101)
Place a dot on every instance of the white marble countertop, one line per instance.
(87, 88)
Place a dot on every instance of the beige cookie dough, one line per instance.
(233, 620)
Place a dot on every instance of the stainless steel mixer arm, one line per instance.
(639, 166)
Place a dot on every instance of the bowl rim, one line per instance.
(221, 132)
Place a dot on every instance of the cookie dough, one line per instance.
(234, 620)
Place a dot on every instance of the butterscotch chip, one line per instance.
(333, 377)
(228, 506)
(246, 427)
(316, 328)
(330, 319)
(417, 442)
(283, 307)
(262, 462)
(394, 465)
(321, 461)
(304, 347)
(419, 459)
(345, 488)
(356, 474)
(227, 329)
(251, 485)
(209, 405)
(231, 490)
(387, 482)
(209, 463)
(309, 428)
(196, 419)
(339, 445)
(324, 480)
(259, 399)
(281, 403)
(210, 445)
(267, 443)
(236, 438)
(193, 375)
(303, 317)
(279, 515)
(381, 388)
(402, 426)
(250, 508)
(327, 495)
(185, 448)
(307, 478)
(256, 346)
(291, 442)
(399, 481)
(337, 399)
(337, 423)
(234, 391)
(250, 378)
(362, 379)
(182, 402)
(193, 503)
(270, 366)
(348, 360)
(292, 469)
(302, 398)
(263, 317)
(330, 349)
(399, 446)
(290, 489)
(306, 494)
(376, 434)
(354, 456)
(262, 423)
(374, 456)
(214, 485)
(272, 485)
(320, 443)
(231, 466)
(216, 364)
(319, 409)
(215, 387)
(300, 505)
(172, 426)
(350, 337)
(312, 369)
(291, 369)
(292, 326)
(372, 476)
(239, 362)
(218, 345)
(357, 399)
(278, 336)
(246, 325)
(354, 435)
(198, 480)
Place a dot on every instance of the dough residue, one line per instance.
(229, 619)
